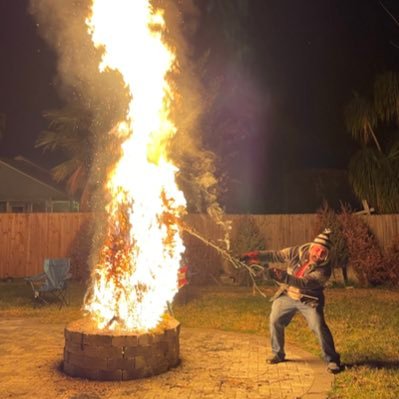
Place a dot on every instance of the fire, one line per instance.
(136, 272)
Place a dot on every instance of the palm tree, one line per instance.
(69, 133)
(374, 170)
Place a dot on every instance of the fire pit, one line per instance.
(110, 355)
(138, 254)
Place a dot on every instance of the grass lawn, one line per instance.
(364, 323)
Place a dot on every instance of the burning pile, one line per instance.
(137, 268)
(136, 274)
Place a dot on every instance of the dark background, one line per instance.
(308, 58)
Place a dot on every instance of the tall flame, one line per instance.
(136, 274)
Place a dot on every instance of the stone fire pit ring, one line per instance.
(109, 355)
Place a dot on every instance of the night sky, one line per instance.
(27, 71)
(311, 56)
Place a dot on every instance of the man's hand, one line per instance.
(250, 258)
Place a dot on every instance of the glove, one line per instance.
(250, 257)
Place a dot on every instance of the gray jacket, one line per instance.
(315, 277)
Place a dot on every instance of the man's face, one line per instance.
(317, 253)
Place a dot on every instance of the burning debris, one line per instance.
(136, 273)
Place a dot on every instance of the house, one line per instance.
(27, 187)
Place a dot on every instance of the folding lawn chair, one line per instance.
(53, 282)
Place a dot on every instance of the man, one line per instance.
(301, 290)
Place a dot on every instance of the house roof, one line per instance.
(33, 171)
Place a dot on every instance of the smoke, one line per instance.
(103, 96)
(62, 24)
(197, 165)
(99, 97)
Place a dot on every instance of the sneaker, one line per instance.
(275, 359)
(333, 368)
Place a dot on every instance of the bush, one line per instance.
(246, 237)
(339, 255)
(365, 255)
(202, 260)
(355, 244)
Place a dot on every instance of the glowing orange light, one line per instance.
(138, 264)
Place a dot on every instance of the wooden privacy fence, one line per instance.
(27, 239)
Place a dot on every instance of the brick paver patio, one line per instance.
(214, 364)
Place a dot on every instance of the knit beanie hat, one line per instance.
(323, 239)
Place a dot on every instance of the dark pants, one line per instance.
(284, 309)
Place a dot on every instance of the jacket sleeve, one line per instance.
(282, 256)
(315, 279)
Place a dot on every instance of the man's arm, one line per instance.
(315, 279)
(282, 256)
(263, 257)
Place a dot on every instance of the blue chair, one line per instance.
(53, 282)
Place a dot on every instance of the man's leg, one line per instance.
(317, 323)
(283, 310)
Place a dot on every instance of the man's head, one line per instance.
(320, 247)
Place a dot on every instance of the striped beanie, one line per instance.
(323, 239)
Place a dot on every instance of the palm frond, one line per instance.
(361, 119)
(69, 132)
(77, 180)
(65, 169)
(393, 152)
(61, 119)
(386, 97)
(375, 177)
(48, 140)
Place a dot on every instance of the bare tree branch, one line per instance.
(389, 13)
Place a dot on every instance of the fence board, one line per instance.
(27, 239)
(38, 226)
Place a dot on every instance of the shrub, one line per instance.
(339, 255)
(203, 261)
(246, 237)
(365, 255)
